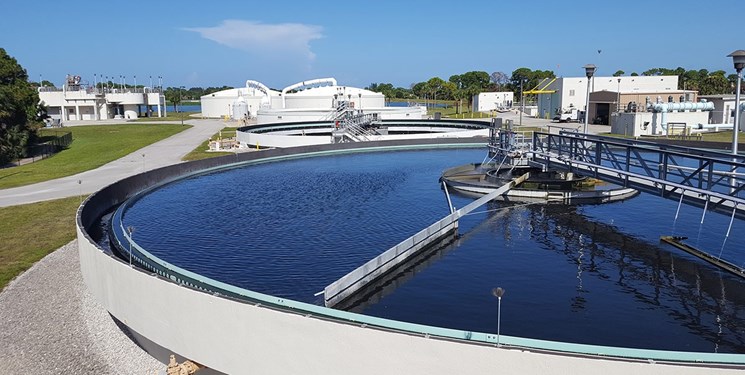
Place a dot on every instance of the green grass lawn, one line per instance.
(92, 147)
(31, 231)
(201, 152)
(725, 136)
(170, 116)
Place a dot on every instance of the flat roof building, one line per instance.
(77, 101)
(564, 92)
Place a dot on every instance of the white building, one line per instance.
(724, 108)
(557, 93)
(220, 104)
(78, 102)
(312, 100)
(490, 101)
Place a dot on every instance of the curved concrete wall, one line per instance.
(304, 134)
(241, 337)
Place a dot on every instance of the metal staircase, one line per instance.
(357, 128)
(341, 111)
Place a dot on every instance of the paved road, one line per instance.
(166, 152)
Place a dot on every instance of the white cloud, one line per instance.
(277, 40)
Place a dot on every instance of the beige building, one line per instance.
(604, 103)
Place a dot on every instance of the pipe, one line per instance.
(266, 98)
(687, 106)
(312, 82)
(712, 126)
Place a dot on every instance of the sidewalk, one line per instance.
(166, 152)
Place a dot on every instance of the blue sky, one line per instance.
(213, 43)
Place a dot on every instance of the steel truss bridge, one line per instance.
(708, 179)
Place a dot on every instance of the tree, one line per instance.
(500, 80)
(20, 110)
(419, 89)
(435, 87)
(619, 73)
(634, 74)
(529, 78)
(174, 96)
(714, 83)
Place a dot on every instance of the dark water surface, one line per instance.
(590, 274)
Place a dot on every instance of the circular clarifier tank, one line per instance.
(593, 274)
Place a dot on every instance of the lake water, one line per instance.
(590, 274)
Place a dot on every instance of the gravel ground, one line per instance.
(50, 324)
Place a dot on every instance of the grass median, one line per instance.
(31, 231)
(92, 147)
(200, 152)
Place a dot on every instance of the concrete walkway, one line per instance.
(166, 152)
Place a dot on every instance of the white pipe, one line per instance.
(712, 126)
(312, 82)
(685, 106)
(266, 98)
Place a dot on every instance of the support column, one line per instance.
(77, 111)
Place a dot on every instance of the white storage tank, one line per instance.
(240, 109)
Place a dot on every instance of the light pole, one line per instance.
(618, 101)
(131, 230)
(522, 100)
(738, 59)
(589, 71)
(181, 104)
(497, 292)
(360, 100)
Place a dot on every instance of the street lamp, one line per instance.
(181, 104)
(522, 100)
(618, 102)
(360, 97)
(498, 292)
(589, 71)
(738, 59)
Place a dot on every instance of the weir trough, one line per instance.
(389, 260)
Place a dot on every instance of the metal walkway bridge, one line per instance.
(708, 179)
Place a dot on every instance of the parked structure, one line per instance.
(77, 101)
(493, 101)
(559, 93)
